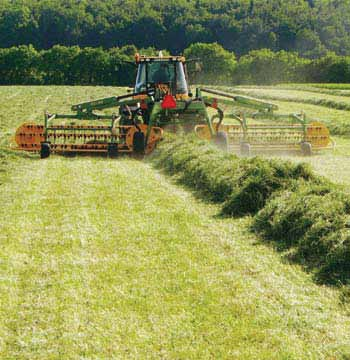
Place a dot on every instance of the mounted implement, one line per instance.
(262, 129)
(162, 101)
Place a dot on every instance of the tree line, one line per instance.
(61, 65)
(310, 27)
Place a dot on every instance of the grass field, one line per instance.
(110, 259)
(294, 94)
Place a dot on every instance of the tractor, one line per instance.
(162, 101)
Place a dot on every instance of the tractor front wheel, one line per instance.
(221, 141)
(45, 150)
(139, 142)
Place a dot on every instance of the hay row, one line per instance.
(290, 205)
(331, 104)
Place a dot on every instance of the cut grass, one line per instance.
(313, 88)
(299, 95)
(292, 206)
(107, 259)
(116, 262)
(243, 185)
(332, 86)
(305, 97)
(313, 221)
(334, 165)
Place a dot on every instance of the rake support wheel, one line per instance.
(112, 150)
(245, 149)
(306, 148)
(45, 150)
(221, 140)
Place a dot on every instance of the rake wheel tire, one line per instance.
(245, 149)
(306, 148)
(112, 150)
(138, 142)
(45, 150)
(221, 141)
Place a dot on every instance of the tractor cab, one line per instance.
(166, 74)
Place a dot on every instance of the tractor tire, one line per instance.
(45, 150)
(306, 148)
(221, 141)
(112, 150)
(245, 149)
(138, 142)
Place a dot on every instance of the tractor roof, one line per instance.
(143, 58)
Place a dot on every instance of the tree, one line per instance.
(310, 27)
(91, 66)
(268, 67)
(57, 64)
(308, 44)
(218, 64)
(20, 65)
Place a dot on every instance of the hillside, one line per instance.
(310, 27)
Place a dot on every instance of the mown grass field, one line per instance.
(109, 258)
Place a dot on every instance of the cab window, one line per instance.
(160, 72)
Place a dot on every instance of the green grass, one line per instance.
(99, 265)
(332, 86)
(329, 89)
(291, 205)
(313, 88)
(298, 96)
(109, 259)
(335, 165)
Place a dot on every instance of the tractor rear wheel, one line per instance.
(306, 148)
(139, 142)
(245, 149)
(45, 150)
(221, 141)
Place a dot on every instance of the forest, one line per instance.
(61, 65)
(89, 42)
(309, 27)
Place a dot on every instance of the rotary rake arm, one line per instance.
(85, 130)
(244, 101)
(86, 110)
(262, 129)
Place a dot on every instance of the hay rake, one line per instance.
(264, 130)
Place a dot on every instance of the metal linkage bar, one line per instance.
(243, 100)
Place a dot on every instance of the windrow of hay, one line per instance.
(242, 185)
(312, 88)
(290, 205)
(319, 102)
(314, 222)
